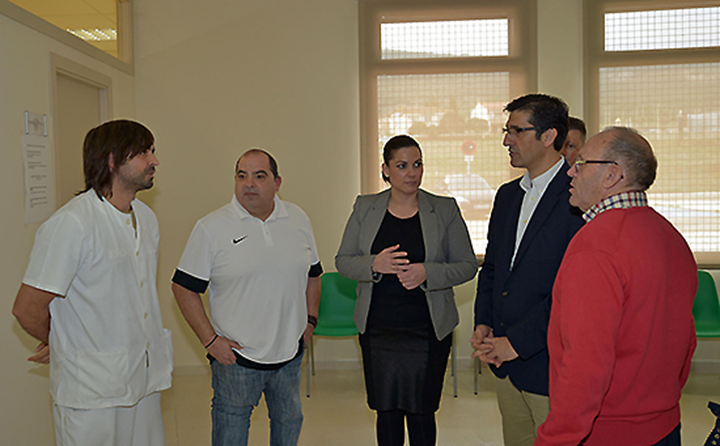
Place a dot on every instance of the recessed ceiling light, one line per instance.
(96, 34)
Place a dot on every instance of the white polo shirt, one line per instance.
(108, 347)
(257, 273)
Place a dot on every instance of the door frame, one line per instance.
(61, 66)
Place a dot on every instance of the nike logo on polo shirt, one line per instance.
(238, 240)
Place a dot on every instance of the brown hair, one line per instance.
(577, 124)
(123, 139)
(393, 145)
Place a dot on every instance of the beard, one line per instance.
(149, 178)
(148, 184)
(138, 181)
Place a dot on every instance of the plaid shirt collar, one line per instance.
(623, 200)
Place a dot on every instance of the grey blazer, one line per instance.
(449, 256)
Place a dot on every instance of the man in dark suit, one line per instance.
(531, 225)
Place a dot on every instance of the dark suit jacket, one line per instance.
(449, 256)
(516, 303)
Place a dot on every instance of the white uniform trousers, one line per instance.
(138, 425)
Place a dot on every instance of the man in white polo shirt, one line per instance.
(89, 295)
(258, 258)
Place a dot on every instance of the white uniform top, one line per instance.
(108, 347)
(258, 273)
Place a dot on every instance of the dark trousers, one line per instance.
(672, 439)
(391, 428)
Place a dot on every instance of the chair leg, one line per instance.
(453, 362)
(312, 354)
(452, 353)
(476, 372)
(307, 367)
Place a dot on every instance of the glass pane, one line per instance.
(453, 38)
(94, 21)
(662, 29)
(677, 108)
(457, 118)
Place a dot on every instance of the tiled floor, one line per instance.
(336, 413)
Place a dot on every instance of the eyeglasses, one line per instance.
(579, 163)
(515, 131)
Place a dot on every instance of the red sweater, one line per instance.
(621, 332)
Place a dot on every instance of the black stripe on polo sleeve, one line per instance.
(315, 270)
(192, 283)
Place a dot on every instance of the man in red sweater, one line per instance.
(621, 332)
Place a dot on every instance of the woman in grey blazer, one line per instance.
(406, 248)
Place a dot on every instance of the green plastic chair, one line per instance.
(335, 314)
(706, 308)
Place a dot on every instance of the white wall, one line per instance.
(216, 79)
(560, 46)
(25, 415)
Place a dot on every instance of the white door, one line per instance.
(80, 103)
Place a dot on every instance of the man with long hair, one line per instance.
(89, 296)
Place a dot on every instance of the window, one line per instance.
(105, 25)
(656, 67)
(443, 72)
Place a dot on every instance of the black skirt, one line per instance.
(404, 368)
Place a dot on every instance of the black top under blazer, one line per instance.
(516, 303)
(449, 256)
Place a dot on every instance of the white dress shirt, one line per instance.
(534, 189)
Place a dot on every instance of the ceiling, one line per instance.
(76, 15)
